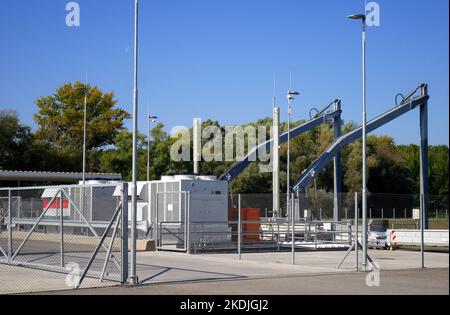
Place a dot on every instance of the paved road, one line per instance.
(398, 282)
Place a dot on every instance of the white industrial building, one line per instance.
(163, 208)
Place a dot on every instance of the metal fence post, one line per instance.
(278, 236)
(356, 241)
(10, 248)
(239, 227)
(370, 213)
(185, 221)
(292, 200)
(394, 213)
(382, 213)
(61, 216)
(157, 235)
(124, 234)
(349, 233)
(315, 235)
(406, 215)
(422, 230)
(188, 223)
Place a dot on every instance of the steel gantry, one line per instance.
(324, 116)
(408, 103)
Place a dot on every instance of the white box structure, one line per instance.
(206, 217)
(164, 213)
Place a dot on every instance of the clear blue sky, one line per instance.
(216, 58)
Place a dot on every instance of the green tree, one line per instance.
(60, 120)
(119, 158)
(18, 150)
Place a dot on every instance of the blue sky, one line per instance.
(217, 58)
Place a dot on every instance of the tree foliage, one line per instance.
(60, 118)
(391, 168)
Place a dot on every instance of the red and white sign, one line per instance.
(54, 209)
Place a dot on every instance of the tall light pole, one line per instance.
(362, 17)
(291, 96)
(84, 135)
(133, 277)
(151, 119)
(84, 88)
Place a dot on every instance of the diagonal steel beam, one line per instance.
(100, 244)
(90, 225)
(108, 254)
(35, 225)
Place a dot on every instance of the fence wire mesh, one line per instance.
(71, 232)
(195, 222)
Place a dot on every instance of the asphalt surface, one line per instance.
(398, 282)
(256, 273)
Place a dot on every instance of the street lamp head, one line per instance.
(357, 17)
(291, 94)
(152, 118)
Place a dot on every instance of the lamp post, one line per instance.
(151, 119)
(133, 277)
(362, 17)
(84, 135)
(84, 88)
(291, 96)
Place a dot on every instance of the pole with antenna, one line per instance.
(291, 96)
(276, 156)
(84, 129)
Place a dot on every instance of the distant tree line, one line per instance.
(56, 145)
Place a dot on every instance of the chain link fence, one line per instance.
(71, 234)
(190, 222)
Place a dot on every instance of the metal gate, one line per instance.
(81, 230)
(172, 220)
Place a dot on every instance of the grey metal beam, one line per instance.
(424, 184)
(62, 177)
(276, 163)
(239, 167)
(322, 161)
(337, 178)
(124, 234)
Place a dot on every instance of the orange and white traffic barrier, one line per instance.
(394, 240)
